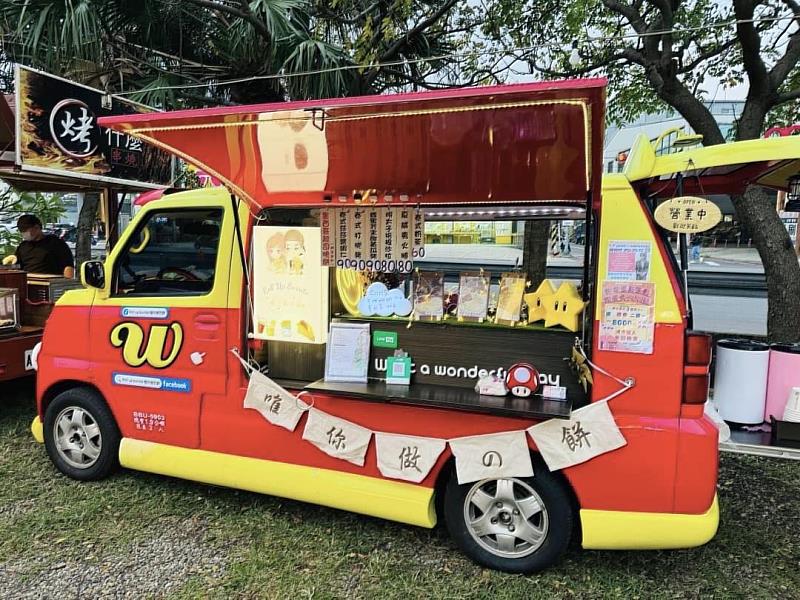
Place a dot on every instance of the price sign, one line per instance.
(371, 238)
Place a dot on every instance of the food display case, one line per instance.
(18, 335)
(9, 309)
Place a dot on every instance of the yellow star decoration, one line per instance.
(534, 300)
(578, 363)
(564, 307)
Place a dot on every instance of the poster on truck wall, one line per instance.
(628, 260)
(627, 321)
(290, 286)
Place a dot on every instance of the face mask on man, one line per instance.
(27, 236)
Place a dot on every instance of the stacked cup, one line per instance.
(792, 412)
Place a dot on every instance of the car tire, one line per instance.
(514, 524)
(81, 435)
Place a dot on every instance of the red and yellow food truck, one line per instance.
(285, 334)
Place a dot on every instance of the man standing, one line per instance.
(39, 253)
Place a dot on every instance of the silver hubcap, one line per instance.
(77, 437)
(506, 517)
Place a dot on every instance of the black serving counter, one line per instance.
(442, 396)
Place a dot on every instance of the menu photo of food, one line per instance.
(428, 295)
(509, 302)
(473, 296)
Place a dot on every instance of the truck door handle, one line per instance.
(206, 326)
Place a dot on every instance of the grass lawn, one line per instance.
(137, 535)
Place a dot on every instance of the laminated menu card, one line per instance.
(428, 295)
(473, 296)
(509, 303)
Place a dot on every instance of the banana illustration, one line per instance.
(350, 284)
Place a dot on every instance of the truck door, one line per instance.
(158, 335)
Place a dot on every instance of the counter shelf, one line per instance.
(443, 396)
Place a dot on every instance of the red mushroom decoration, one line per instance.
(522, 380)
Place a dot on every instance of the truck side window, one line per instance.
(172, 253)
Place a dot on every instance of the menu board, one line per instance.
(372, 238)
(290, 300)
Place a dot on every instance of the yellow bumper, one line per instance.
(37, 429)
(617, 530)
(393, 500)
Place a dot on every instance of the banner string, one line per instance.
(626, 384)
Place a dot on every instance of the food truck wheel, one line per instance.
(515, 524)
(80, 434)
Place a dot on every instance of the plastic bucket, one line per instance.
(784, 374)
(740, 380)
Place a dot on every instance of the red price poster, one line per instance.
(627, 321)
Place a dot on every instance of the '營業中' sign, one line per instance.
(58, 133)
(372, 238)
(688, 214)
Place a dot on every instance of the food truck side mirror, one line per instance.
(93, 274)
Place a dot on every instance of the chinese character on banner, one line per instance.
(590, 431)
(337, 437)
(134, 144)
(407, 457)
(276, 405)
(73, 128)
(492, 456)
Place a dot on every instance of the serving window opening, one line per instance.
(462, 294)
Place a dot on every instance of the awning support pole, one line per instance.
(237, 226)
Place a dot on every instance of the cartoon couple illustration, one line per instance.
(286, 252)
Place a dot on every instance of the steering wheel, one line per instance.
(183, 274)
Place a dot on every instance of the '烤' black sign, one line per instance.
(58, 132)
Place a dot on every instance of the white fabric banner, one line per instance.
(492, 456)
(337, 437)
(589, 432)
(407, 457)
(276, 405)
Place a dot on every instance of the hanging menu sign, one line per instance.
(328, 238)
(418, 250)
(374, 222)
(357, 235)
(403, 233)
(371, 238)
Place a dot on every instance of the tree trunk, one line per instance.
(534, 251)
(757, 213)
(86, 219)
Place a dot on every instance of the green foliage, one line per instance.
(48, 207)
(648, 70)
(151, 46)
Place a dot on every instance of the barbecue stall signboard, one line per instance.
(57, 133)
